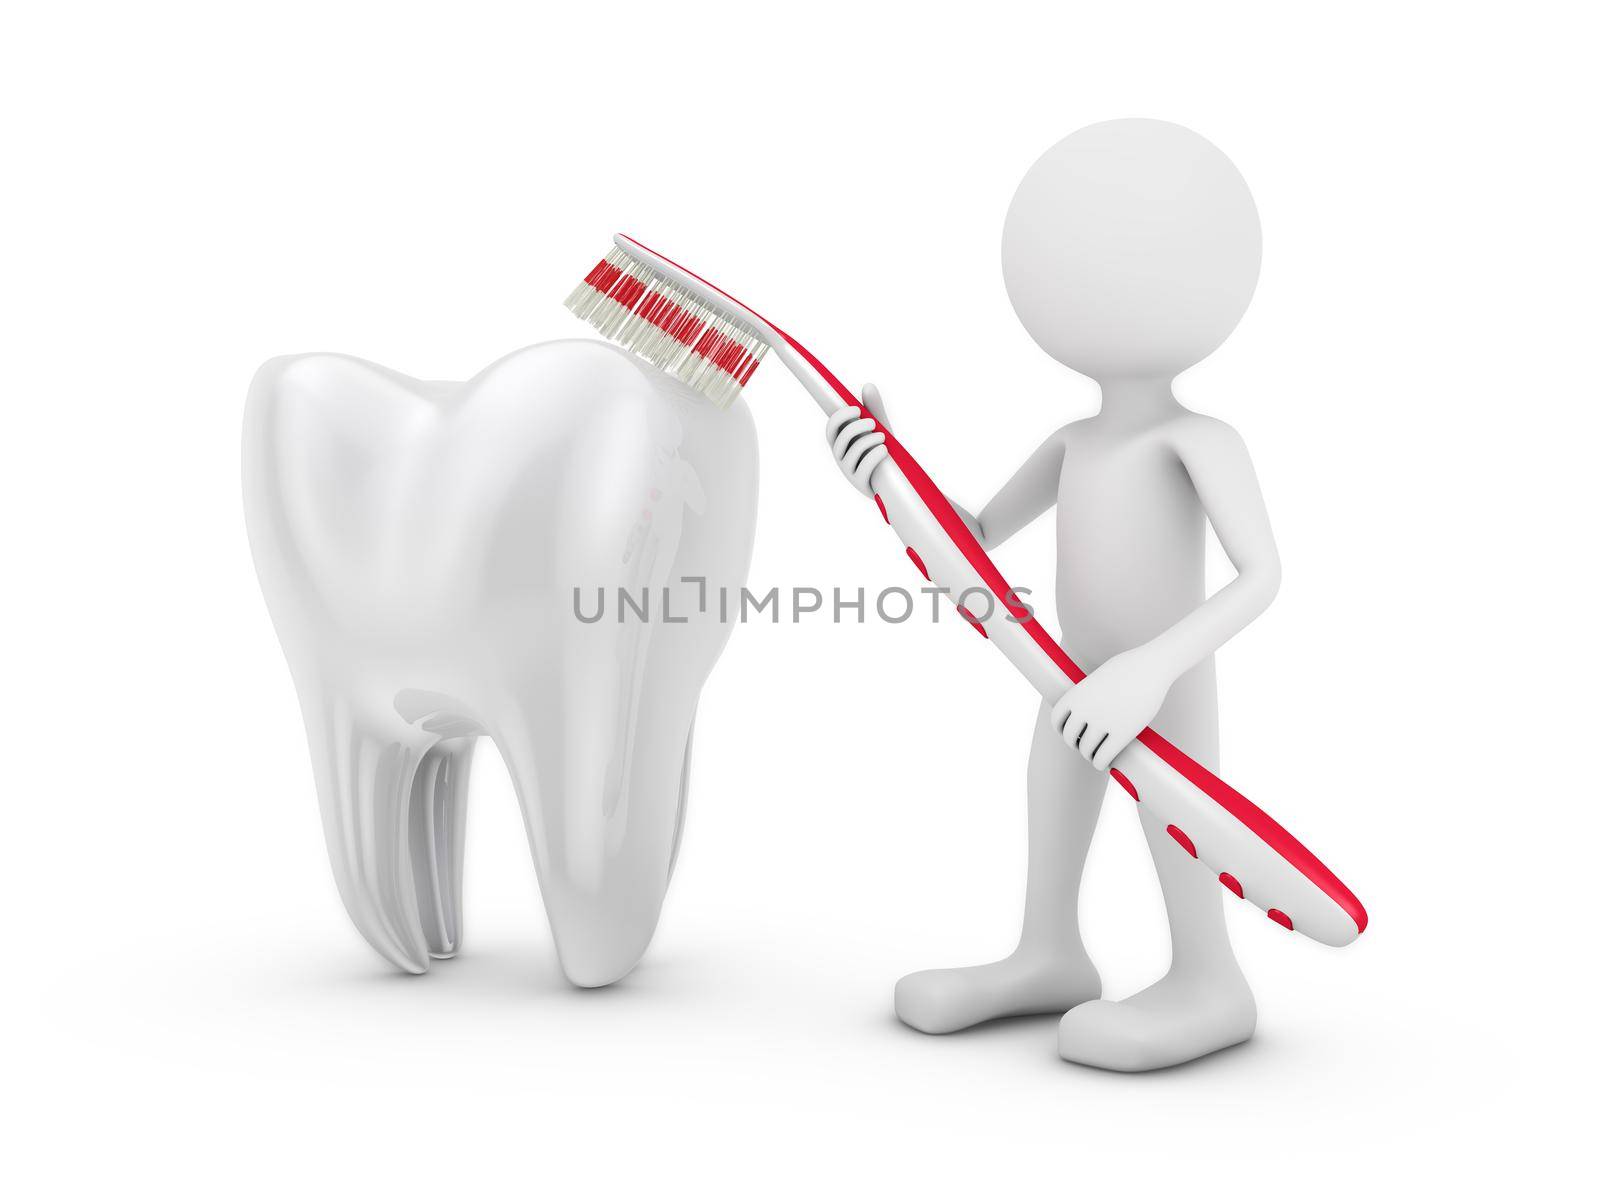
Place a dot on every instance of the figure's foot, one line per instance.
(945, 1001)
(1172, 1021)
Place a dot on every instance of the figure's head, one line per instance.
(1131, 248)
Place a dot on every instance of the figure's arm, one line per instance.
(1225, 480)
(1106, 711)
(1027, 495)
(858, 449)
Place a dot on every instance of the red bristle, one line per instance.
(666, 314)
(651, 304)
(662, 314)
(628, 291)
(729, 356)
(690, 329)
(607, 277)
(709, 344)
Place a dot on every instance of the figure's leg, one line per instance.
(1049, 972)
(1202, 1004)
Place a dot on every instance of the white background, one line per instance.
(190, 189)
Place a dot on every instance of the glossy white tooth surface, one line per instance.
(419, 545)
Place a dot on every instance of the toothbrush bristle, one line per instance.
(670, 326)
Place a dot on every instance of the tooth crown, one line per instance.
(419, 546)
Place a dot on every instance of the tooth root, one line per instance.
(602, 808)
(364, 773)
(438, 829)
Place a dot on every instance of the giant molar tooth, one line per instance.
(420, 546)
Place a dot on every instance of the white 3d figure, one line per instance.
(419, 545)
(1130, 252)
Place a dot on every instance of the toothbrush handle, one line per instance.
(1254, 857)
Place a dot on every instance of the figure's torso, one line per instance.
(1130, 538)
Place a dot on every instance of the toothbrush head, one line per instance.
(673, 319)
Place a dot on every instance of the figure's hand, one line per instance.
(1101, 715)
(855, 441)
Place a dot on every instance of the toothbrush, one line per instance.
(693, 329)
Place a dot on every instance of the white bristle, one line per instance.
(667, 325)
